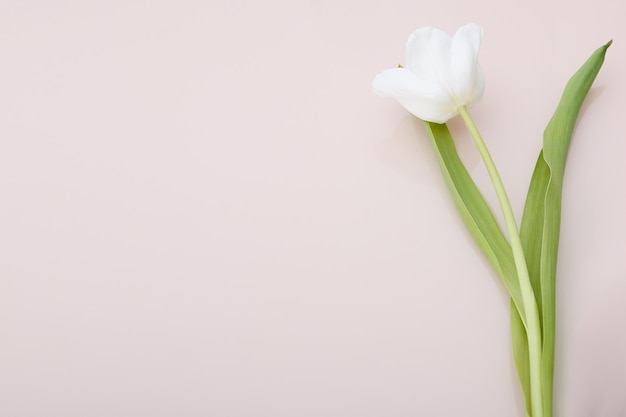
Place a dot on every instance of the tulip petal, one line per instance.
(428, 54)
(424, 99)
(467, 77)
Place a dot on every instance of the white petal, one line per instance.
(428, 54)
(467, 79)
(430, 111)
(396, 82)
(424, 99)
(479, 88)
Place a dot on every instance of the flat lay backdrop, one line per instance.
(205, 211)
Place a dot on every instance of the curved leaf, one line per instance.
(474, 210)
(542, 212)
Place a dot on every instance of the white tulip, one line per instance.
(441, 73)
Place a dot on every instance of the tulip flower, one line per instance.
(441, 74)
(442, 79)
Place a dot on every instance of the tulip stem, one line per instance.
(531, 311)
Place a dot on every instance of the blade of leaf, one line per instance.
(540, 227)
(484, 229)
(474, 210)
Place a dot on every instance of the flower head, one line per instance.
(441, 73)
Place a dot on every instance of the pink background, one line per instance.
(205, 211)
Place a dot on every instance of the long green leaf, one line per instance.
(540, 227)
(474, 210)
(484, 229)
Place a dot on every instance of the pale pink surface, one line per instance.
(206, 212)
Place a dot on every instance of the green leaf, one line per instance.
(474, 210)
(484, 229)
(542, 216)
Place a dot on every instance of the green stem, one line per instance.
(531, 311)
